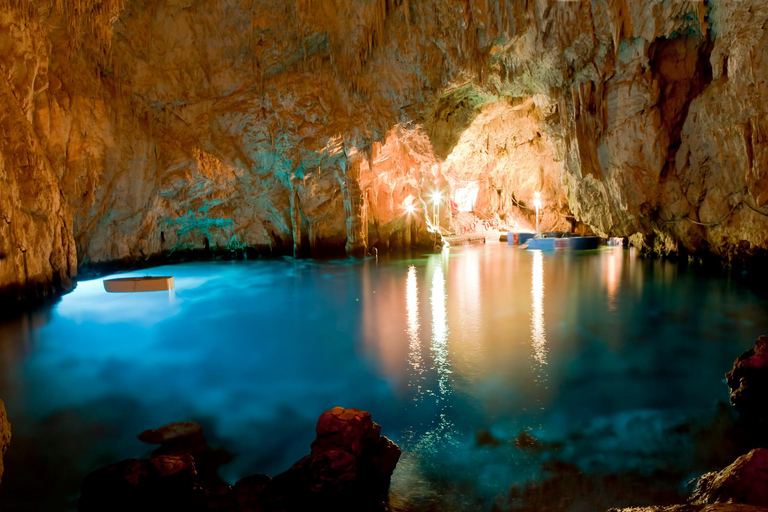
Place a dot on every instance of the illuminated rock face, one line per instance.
(158, 127)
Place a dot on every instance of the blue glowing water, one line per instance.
(606, 354)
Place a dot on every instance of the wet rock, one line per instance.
(485, 438)
(187, 438)
(5, 435)
(748, 381)
(350, 466)
(745, 481)
(349, 469)
(162, 483)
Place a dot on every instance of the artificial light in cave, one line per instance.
(408, 206)
(537, 204)
(466, 197)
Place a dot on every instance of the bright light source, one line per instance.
(410, 209)
(537, 200)
(437, 197)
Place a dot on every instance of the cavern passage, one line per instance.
(336, 153)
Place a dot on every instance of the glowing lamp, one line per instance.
(537, 204)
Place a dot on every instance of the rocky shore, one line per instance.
(349, 468)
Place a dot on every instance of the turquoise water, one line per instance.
(612, 360)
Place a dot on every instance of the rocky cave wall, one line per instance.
(133, 129)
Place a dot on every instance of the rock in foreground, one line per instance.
(5, 435)
(745, 481)
(741, 487)
(748, 381)
(349, 468)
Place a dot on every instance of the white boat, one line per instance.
(139, 284)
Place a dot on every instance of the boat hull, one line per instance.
(139, 284)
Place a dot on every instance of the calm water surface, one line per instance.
(609, 358)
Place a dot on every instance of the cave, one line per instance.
(504, 250)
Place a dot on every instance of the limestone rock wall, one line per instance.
(139, 128)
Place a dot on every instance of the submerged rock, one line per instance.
(187, 438)
(485, 438)
(745, 481)
(748, 381)
(526, 440)
(349, 468)
(5, 435)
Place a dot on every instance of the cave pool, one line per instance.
(614, 362)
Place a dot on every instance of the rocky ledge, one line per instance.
(748, 382)
(349, 468)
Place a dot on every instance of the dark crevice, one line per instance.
(683, 70)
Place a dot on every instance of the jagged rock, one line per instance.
(349, 469)
(5, 435)
(748, 381)
(187, 438)
(162, 483)
(745, 481)
(350, 466)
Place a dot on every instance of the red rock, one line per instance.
(748, 381)
(745, 481)
(159, 484)
(348, 429)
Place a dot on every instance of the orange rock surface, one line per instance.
(133, 129)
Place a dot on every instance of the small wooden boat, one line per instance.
(139, 284)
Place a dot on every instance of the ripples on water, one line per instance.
(607, 358)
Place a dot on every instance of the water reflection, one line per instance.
(443, 428)
(538, 335)
(612, 273)
(415, 361)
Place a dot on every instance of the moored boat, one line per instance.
(139, 284)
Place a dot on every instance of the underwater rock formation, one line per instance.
(349, 468)
(748, 381)
(138, 129)
(5, 435)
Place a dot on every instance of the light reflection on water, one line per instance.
(435, 347)
(538, 335)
